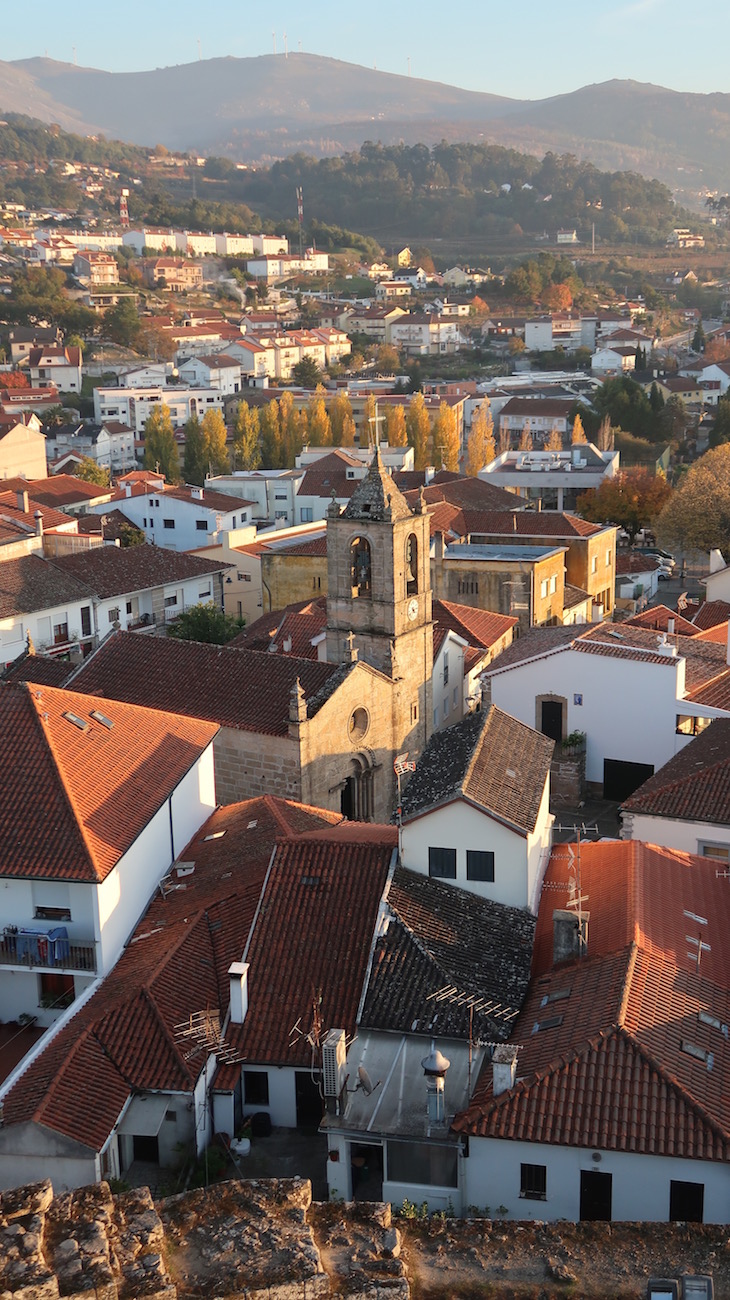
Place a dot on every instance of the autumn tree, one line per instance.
(348, 432)
(271, 457)
(480, 446)
(418, 428)
(504, 439)
(368, 427)
(525, 441)
(216, 435)
(340, 409)
(246, 449)
(554, 441)
(160, 447)
(320, 429)
(195, 462)
(605, 435)
(386, 359)
(446, 439)
(632, 500)
(697, 516)
(293, 430)
(395, 426)
(557, 297)
(579, 434)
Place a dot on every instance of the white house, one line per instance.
(184, 518)
(58, 367)
(87, 832)
(686, 804)
(635, 695)
(256, 358)
(620, 357)
(109, 445)
(218, 371)
(272, 492)
(554, 478)
(22, 448)
(605, 1103)
(133, 406)
(36, 601)
(477, 811)
(133, 586)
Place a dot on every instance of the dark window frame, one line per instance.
(533, 1182)
(440, 863)
(472, 871)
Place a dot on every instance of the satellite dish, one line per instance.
(363, 1080)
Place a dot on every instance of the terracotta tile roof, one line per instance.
(92, 790)
(42, 670)
(627, 562)
(116, 570)
(113, 528)
(328, 473)
(694, 785)
(610, 1069)
(29, 584)
(479, 627)
(468, 493)
(545, 406)
(711, 613)
(717, 634)
(210, 500)
(234, 687)
(123, 1039)
(312, 938)
(704, 662)
(11, 511)
(440, 936)
(573, 596)
(59, 490)
(529, 523)
(534, 644)
(298, 624)
(491, 759)
(657, 617)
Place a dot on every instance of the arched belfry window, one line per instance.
(360, 564)
(412, 565)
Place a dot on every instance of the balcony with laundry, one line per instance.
(45, 947)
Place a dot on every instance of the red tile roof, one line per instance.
(328, 473)
(694, 785)
(312, 940)
(479, 627)
(116, 570)
(529, 523)
(711, 613)
(29, 584)
(246, 689)
(176, 963)
(92, 791)
(298, 624)
(59, 490)
(609, 1069)
(10, 510)
(658, 617)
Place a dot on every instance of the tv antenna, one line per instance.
(200, 51)
(201, 1033)
(273, 37)
(698, 944)
(286, 47)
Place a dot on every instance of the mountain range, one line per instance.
(255, 110)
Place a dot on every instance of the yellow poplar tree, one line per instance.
(578, 434)
(395, 425)
(340, 410)
(347, 438)
(320, 429)
(368, 428)
(554, 441)
(480, 446)
(525, 443)
(446, 439)
(215, 434)
(418, 428)
(246, 449)
(271, 447)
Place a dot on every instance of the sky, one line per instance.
(528, 50)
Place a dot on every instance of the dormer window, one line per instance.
(360, 564)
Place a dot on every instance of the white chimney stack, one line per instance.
(238, 977)
(504, 1068)
(38, 517)
(434, 1067)
(23, 500)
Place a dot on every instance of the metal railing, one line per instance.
(36, 951)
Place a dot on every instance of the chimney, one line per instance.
(38, 517)
(196, 493)
(128, 489)
(671, 626)
(504, 1068)
(570, 936)
(429, 473)
(297, 703)
(23, 500)
(238, 978)
(434, 1067)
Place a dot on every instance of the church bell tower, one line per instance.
(379, 589)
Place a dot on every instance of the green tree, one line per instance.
(160, 447)
(205, 623)
(632, 500)
(674, 419)
(720, 431)
(699, 341)
(121, 323)
(195, 461)
(386, 359)
(246, 448)
(306, 373)
(216, 436)
(131, 536)
(90, 472)
(418, 427)
(395, 426)
(481, 447)
(697, 517)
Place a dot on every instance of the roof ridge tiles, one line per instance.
(148, 995)
(674, 1083)
(626, 987)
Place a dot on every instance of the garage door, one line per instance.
(620, 779)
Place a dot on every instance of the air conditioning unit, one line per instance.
(334, 1062)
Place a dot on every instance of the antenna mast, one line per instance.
(300, 219)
